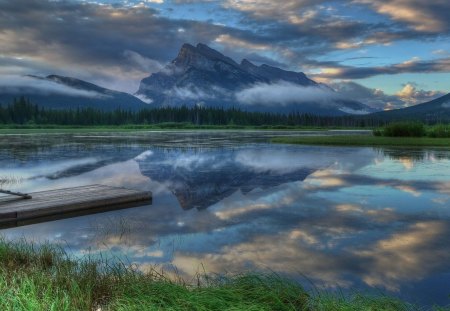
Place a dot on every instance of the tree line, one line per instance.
(24, 112)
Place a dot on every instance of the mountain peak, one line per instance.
(209, 52)
(200, 57)
(201, 74)
(186, 47)
(246, 64)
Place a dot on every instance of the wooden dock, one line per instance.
(59, 202)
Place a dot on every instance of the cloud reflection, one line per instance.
(342, 216)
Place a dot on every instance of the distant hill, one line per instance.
(60, 92)
(200, 75)
(437, 110)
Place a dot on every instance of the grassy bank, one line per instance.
(30, 129)
(45, 278)
(363, 140)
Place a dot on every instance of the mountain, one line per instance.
(60, 92)
(437, 110)
(201, 180)
(200, 75)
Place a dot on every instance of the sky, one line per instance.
(385, 53)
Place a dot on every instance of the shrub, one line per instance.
(404, 129)
(439, 130)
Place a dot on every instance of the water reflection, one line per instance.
(344, 217)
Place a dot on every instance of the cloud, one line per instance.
(149, 65)
(286, 161)
(417, 251)
(376, 98)
(228, 40)
(23, 84)
(282, 94)
(116, 45)
(146, 64)
(411, 95)
(441, 52)
(414, 65)
(300, 255)
(144, 98)
(292, 11)
(103, 43)
(190, 92)
(423, 16)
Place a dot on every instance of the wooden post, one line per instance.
(23, 195)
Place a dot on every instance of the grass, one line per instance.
(404, 129)
(365, 140)
(45, 278)
(413, 129)
(32, 129)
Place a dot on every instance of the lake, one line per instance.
(341, 218)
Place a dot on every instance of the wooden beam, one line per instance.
(19, 194)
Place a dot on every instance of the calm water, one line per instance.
(367, 218)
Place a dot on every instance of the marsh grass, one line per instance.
(365, 140)
(439, 130)
(413, 129)
(404, 129)
(45, 278)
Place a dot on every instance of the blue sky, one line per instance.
(395, 52)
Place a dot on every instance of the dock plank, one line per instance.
(39, 200)
(69, 200)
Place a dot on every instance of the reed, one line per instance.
(44, 277)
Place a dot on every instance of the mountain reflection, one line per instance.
(343, 217)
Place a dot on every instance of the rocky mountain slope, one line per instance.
(200, 75)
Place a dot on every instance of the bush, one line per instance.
(439, 130)
(404, 129)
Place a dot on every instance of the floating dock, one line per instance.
(60, 202)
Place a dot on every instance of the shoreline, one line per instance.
(163, 127)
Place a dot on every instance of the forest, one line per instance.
(24, 112)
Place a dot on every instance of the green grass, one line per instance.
(45, 278)
(36, 129)
(404, 129)
(413, 129)
(365, 140)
